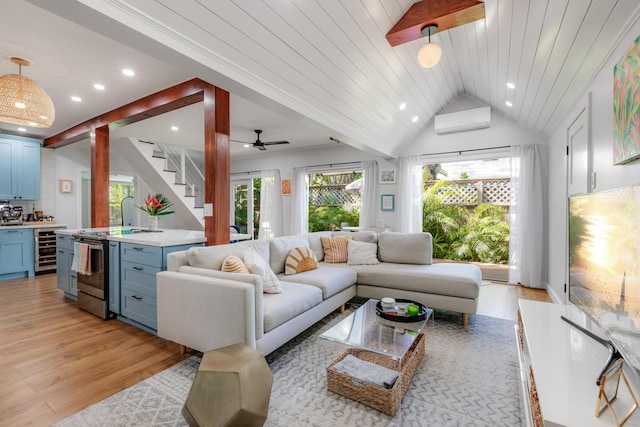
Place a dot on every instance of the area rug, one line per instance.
(469, 376)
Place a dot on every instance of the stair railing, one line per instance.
(187, 166)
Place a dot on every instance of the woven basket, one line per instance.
(382, 399)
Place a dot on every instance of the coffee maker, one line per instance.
(10, 215)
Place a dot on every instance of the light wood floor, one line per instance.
(56, 359)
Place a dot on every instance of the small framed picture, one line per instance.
(387, 202)
(286, 187)
(388, 177)
(66, 186)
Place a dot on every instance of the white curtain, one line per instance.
(299, 202)
(526, 217)
(410, 194)
(369, 195)
(270, 205)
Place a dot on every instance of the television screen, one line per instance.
(604, 264)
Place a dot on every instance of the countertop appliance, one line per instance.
(10, 214)
(92, 250)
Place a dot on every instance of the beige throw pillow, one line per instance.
(362, 253)
(335, 248)
(300, 259)
(233, 264)
(257, 265)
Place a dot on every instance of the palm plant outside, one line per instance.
(481, 235)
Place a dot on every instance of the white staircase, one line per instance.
(154, 171)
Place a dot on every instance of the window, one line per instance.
(333, 201)
(245, 205)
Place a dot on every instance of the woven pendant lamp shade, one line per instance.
(23, 102)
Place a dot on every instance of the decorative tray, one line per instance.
(399, 314)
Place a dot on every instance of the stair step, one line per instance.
(169, 170)
(159, 157)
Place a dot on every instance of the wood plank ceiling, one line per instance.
(329, 59)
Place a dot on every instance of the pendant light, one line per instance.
(22, 101)
(429, 54)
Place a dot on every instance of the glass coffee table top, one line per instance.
(366, 330)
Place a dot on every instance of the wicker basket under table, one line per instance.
(382, 399)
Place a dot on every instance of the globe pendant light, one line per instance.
(23, 102)
(429, 54)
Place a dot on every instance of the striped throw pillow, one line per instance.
(233, 264)
(335, 248)
(300, 259)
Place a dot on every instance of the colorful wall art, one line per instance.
(626, 106)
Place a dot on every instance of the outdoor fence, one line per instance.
(474, 192)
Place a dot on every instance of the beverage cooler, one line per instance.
(45, 247)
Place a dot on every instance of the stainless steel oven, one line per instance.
(92, 267)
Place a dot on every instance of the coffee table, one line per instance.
(395, 345)
(366, 330)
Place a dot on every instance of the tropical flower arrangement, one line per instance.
(156, 205)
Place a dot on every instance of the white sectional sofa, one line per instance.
(202, 307)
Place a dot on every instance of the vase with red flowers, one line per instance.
(155, 206)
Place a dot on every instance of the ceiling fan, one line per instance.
(262, 145)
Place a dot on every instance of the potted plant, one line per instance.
(155, 206)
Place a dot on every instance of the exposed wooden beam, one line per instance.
(100, 177)
(217, 161)
(173, 98)
(446, 14)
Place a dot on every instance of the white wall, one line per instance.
(502, 132)
(338, 153)
(68, 163)
(608, 176)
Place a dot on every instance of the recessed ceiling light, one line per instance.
(76, 99)
(402, 106)
(174, 128)
(246, 146)
(128, 72)
(415, 119)
(511, 85)
(98, 86)
(22, 130)
(509, 103)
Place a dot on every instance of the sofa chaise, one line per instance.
(202, 307)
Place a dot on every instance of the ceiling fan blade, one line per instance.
(261, 147)
(241, 142)
(276, 142)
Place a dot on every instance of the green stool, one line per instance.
(232, 388)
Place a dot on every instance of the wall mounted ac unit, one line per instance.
(477, 118)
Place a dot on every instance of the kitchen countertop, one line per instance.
(164, 237)
(34, 224)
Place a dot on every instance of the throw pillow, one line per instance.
(335, 248)
(300, 259)
(233, 264)
(257, 265)
(362, 253)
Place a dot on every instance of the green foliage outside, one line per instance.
(481, 235)
(321, 218)
(117, 192)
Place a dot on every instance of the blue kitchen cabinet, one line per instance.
(138, 267)
(114, 277)
(66, 278)
(17, 253)
(19, 168)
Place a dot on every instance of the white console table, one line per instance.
(565, 364)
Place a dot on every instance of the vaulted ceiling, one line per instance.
(325, 65)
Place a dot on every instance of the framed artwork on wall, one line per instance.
(387, 202)
(286, 187)
(66, 186)
(388, 177)
(626, 106)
